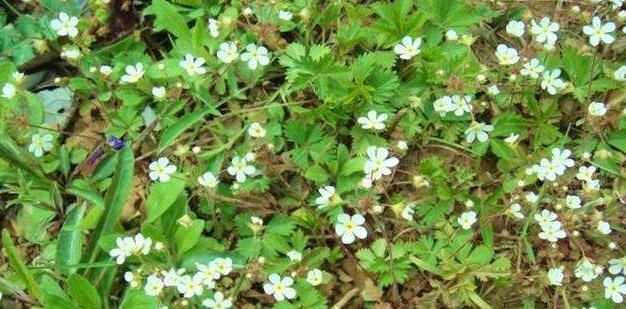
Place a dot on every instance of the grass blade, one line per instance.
(17, 263)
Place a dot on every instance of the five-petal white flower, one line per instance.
(373, 121)
(598, 32)
(161, 169)
(279, 287)
(408, 47)
(228, 52)
(65, 25)
(255, 56)
(348, 227)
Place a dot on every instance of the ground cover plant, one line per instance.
(312, 154)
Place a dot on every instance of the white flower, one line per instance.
(443, 105)
(506, 55)
(408, 48)
(327, 196)
(280, 288)
(8, 91)
(240, 169)
(284, 15)
(138, 244)
(467, 219)
(545, 31)
(172, 277)
(532, 68)
(587, 271)
(214, 27)
(247, 11)
(256, 130)
(378, 163)
(451, 35)
(373, 121)
(161, 170)
(561, 157)
(585, 173)
(65, 25)
(209, 273)
(208, 180)
(591, 185)
(604, 227)
(408, 212)
(191, 286)
(228, 52)
(512, 138)
(552, 231)
(477, 130)
(255, 56)
(617, 266)
(614, 289)
(154, 285)
(128, 246)
(130, 278)
(133, 73)
(121, 252)
(515, 211)
(348, 227)
(40, 144)
(461, 105)
(218, 301)
(314, 277)
(555, 276)
(193, 65)
(596, 109)
(493, 90)
(70, 52)
(294, 256)
(598, 32)
(545, 217)
(256, 220)
(158, 92)
(572, 201)
(402, 145)
(551, 81)
(515, 28)
(18, 76)
(223, 265)
(620, 73)
(105, 70)
(531, 197)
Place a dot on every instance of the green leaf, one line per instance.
(187, 236)
(618, 140)
(162, 196)
(70, 243)
(480, 255)
(137, 299)
(83, 292)
(17, 263)
(12, 153)
(168, 18)
(115, 198)
(426, 266)
(171, 133)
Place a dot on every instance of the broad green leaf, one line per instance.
(83, 292)
(618, 140)
(187, 236)
(168, 18)
(162, 196)
(115, 199)
(70, 243)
